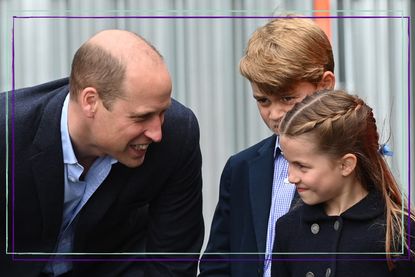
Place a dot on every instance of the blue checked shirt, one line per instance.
(76, 194)
(282, 195)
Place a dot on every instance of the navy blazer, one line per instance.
(155, 208)
(340, 246)
(241, 217)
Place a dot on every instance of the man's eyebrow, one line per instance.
(146, 114)
(141, 115)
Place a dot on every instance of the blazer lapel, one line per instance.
(47, 166)
(48, 177)
(261, 171)
(98, 204)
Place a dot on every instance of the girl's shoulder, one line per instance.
(288, 224)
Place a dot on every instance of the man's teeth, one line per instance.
(140, 146)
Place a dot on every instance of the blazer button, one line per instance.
(309, 274)
(336, 225)
(328, 272)
(315, 228)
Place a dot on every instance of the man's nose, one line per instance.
(153, 130)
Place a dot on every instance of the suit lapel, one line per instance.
(99, 203)
(261, 171)
(47, 165)
(48, 177)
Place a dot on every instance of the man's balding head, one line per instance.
(124, 44)
(102, 62)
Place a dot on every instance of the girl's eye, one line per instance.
(300, 166)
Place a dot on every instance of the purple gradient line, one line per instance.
(13, 134)
(188, 17)
(107, 260)
(204, 259)
(298, 260)
(203, 17)
(409, 137)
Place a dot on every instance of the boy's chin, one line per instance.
(274, 129)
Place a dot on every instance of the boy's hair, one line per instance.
(284, 52)
(340, 123)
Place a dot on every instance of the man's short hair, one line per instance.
(93, 66)
(284, 52)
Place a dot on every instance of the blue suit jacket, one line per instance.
(241, 218)
(156, 207)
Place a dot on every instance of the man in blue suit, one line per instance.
(286, 59)
(89, 174)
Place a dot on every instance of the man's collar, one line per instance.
(67, 149)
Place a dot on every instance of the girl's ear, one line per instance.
(348, 164)
(327, 81)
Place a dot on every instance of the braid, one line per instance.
(325, 117)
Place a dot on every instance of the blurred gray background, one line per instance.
(371, 56)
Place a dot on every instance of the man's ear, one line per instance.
(327, 81)
(89, 99)
(348, 164)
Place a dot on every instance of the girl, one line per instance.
(354, 220)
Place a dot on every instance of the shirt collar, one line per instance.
(277, 148)
(68, 153)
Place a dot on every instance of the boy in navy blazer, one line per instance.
(103, 164)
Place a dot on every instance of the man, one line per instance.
(89, 172)
(285, 60)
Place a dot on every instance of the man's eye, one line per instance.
(138, 119)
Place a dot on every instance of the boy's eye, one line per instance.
(263, 101)
(287, 99)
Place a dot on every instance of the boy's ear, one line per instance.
(327, 81)
(348, 164)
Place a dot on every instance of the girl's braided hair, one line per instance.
(341, 123)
